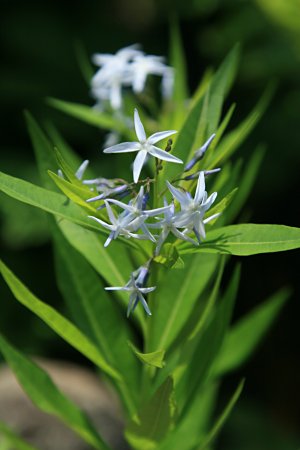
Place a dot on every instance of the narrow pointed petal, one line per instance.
(139, 128)
(145, 304)
(138, 164)
(147, 290)
(147, 232)
(199, 226)
(109, 239)
(200, 188)
(121, 204)
(156, 137)
(110, 213)
(184, 237)
(139, 198)
(116, 288)
(180, 196)
(161, 154)
(153, 212)
(214, 216)
(209, 201)
(125, 147)
(95, 199)
(104, 224)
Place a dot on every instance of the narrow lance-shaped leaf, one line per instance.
(57, 322)
(88, 114)
(180, 289)
(51, 202)
(244, 336)
(112, 263)
(98, 315)
(206, 346)
(154, 420)
(222, 419)
(12, 440)
(46, 396)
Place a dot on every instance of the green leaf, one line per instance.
(175, 299)
(222, 205)
(47, 397)
(13, 440)
(235, 138)
(44, 151)
(57, 322)
(88, 115)
(97, 315)
(153, 359)
(244, 337)
(188, 430)
(247, 180)
(220, 86)
(198, 353)
(154, 420)
(51, 202)
(84, 63)
(168, 257)
(75, 192)
(248, 239)
(177, 59)
(112, 263)
(223, 417)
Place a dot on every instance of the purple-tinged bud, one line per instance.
(199, 154)
(195, 175)
(101, 182)
(82, 168)
(95, 199)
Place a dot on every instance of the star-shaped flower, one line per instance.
(122, 225)
(167, 226)
(144, 147)
(136, 294)
(193, 209)
(136, 210)
(144, 65)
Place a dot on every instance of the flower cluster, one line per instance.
(184, 217)
(128, 68)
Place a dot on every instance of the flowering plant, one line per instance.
(154, 245)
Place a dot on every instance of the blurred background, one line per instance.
(40, 43)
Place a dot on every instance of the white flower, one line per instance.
(144, 147)
(144, 65)
(168, 226)
(135, 210)
(114, 73)
(136, 294)
(122, 225)
(193, 209)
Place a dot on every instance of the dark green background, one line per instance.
(38, 54)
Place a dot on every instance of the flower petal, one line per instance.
(156, 137)
(161, 154)
(104, 224)
(124, 147)
(110, 213)
(139, 128)
(180, 196)
(200, 188)
(138, 164)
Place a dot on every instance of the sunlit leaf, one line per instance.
(248, 239)
(62, 326)
(244, 336)
(154, 359)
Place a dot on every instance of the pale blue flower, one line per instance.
(136, 290)
(144, 65)
(191, 216)
(122, 225)
(199, 154)
(136, 210)
(167, 226)
(145, 146)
